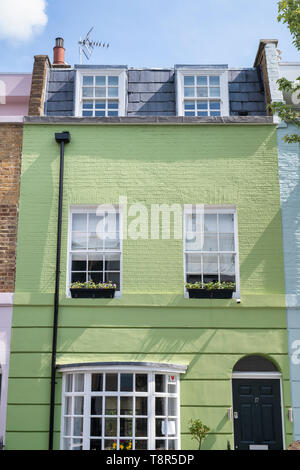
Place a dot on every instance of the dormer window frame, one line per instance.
(106, 99)
(223, 99)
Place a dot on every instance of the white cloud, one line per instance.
(21, 19)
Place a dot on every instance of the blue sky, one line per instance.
(141, 33)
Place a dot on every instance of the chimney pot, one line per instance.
(59, 52)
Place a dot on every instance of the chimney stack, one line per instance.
(59, 53)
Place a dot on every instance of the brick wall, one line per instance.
(10, 166)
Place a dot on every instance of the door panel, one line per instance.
(257, 413)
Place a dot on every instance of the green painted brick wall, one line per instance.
(152, 321)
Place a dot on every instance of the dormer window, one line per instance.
(100, 93)
(202, 93)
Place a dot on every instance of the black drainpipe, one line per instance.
(62, 139)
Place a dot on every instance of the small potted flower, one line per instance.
(210, 290)
(91, 290)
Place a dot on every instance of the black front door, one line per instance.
(257, 414)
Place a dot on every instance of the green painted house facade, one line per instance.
(151, 357)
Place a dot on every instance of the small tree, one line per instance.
(198, 430)
(289, 13)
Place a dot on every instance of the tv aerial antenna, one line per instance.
(87, 45)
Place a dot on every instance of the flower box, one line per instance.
(82, 293)
(210, 294)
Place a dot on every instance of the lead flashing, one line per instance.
(168, 120)
(180, 368)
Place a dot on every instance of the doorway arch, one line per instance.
(257, 404)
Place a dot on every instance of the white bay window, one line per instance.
(107, 408)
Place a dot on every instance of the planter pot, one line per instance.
(93, 293)
(210, 294)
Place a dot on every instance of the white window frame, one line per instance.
(224, 91)
(120, 73)
(209, 209)
(148, 368)
(92, 209)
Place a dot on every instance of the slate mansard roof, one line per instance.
(152, 92)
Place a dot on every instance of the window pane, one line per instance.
(100, 113)
(100, 104)
(111, 382)
(141, 406)
(194, 241)
(112, 113)
(100, 81)
(189, 80)
(215, 105)
(226, 223)
(110, 427)
(215, 113)
(87, 113)
(214, 80)
(96, 223)
(87, 105)
(67, 444)
(100, 92)
(113, 81)
(193, 263)
(193, 278)
(87, 92)
(95, 262)
(68, 406)
(189, 92)
(67, 426)
(88, 80)
(95, 277)
(113, 105)
(114, 278)
(108, 444)
(171, 427)
(160, 381)
(141, 444)
(78, 382)
(189, 104)
(159, 427)
(160, 406)
(210, 242)
(94, 241)
(172, 402)
(227, 268)
(202, 113)
(202, 92)
(160, 445)
(78, 241)
(95, 444)
(125, 427)
(141, 427)
(126, 405)
(96, 405)
(210, 223)
(126, 383)
(202, 105)
(189, 113)
(226, 242)
(113, 92)
(112, 262)
(78, 427)
(79, 222)
(96, 427)
(210, 264)
(111, 405)
(97, 382)
(112, 241)
(78, 262)
(214, 92)
(141, 382)
(78, 405)
(78, 277)
(202, 80)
